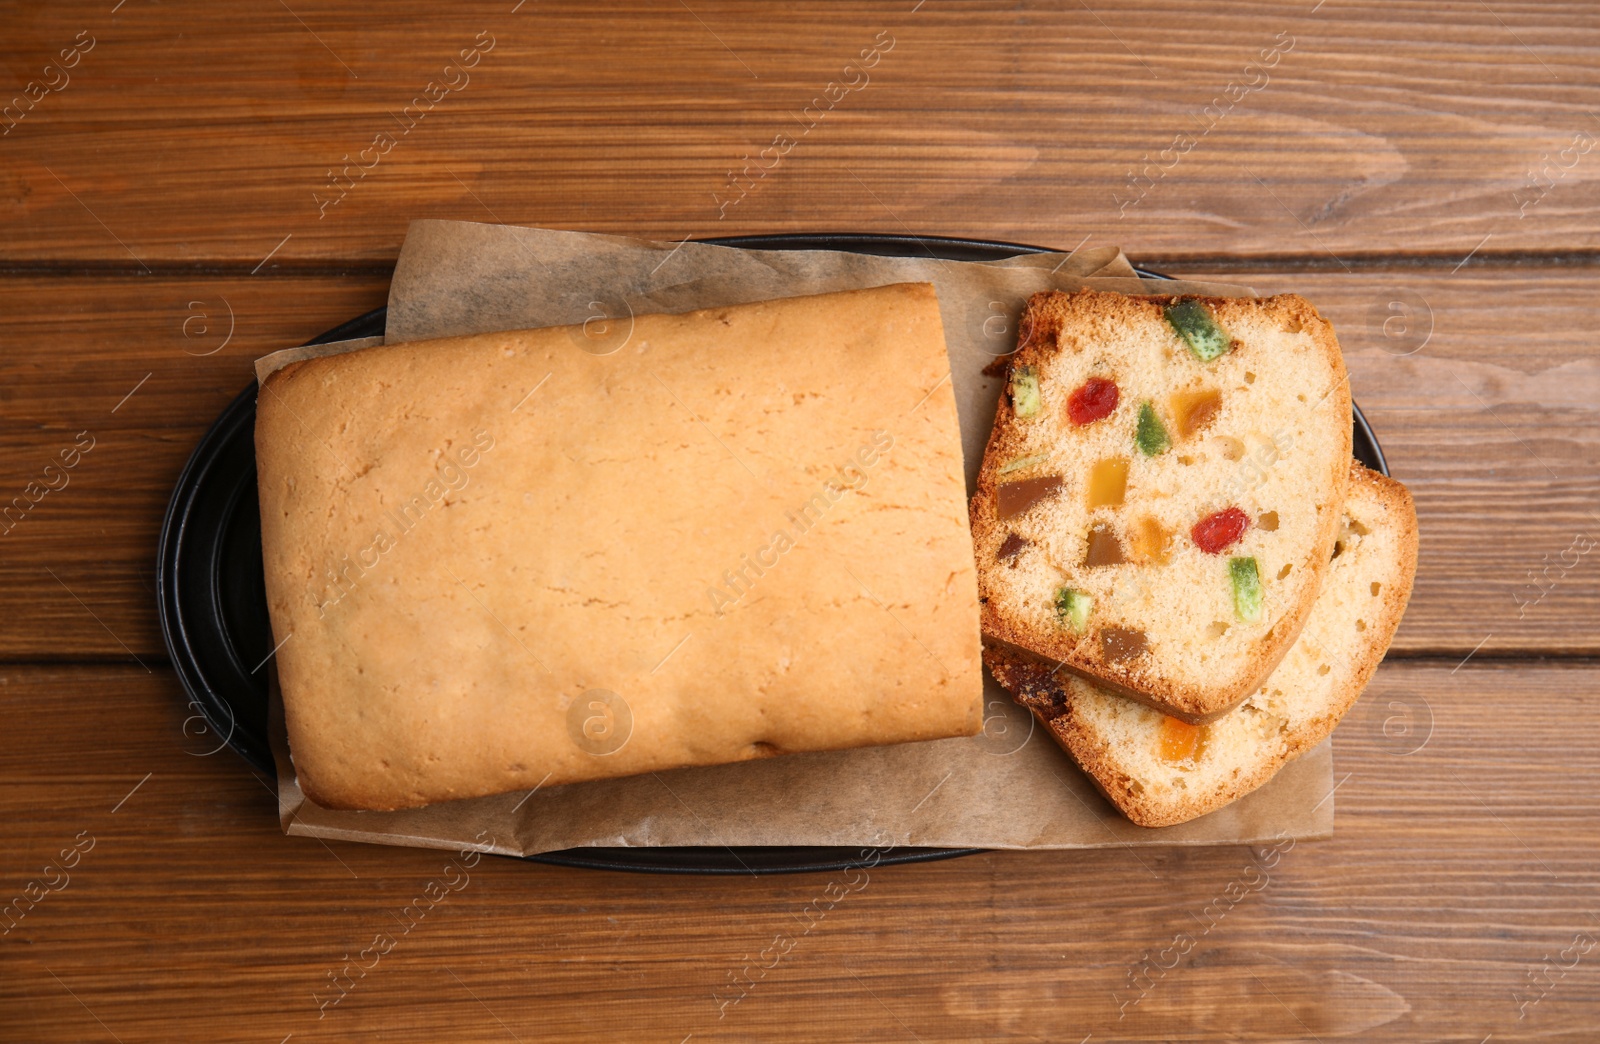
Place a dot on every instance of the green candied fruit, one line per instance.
(1194, 322)
(1072, 608)
(1246, 588)
(1023, 462)
(1025, 391)
(1151, 436)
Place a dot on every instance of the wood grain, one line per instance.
(1495, 431)
(77, 566)
(192, 134)
(1408, 153)
(1462, 858)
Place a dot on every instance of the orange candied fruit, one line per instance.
(1195, 410)
(1149, 541)
(1181, 741)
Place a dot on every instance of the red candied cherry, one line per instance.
(1096, 399)
(1217, 532)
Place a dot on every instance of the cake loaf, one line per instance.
(1159, 770)
(538, 557)
(1161, 491)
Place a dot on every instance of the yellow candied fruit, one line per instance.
(1150, 541)
(1108, 482)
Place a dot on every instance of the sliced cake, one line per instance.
(1159, 770)
(1162, 490)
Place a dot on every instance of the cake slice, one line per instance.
(1161, 491)
(1159, 770)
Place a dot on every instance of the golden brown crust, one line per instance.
(1398, 514)
(1048, 326)
(1036, 686)
(471, 544)
(1058, 703)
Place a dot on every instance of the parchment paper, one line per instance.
(1010, 787)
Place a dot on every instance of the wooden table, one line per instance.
(185, 187)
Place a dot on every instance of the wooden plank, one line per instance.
(1492, 422)
(194, 134)
(1459, 882)
(135, 370)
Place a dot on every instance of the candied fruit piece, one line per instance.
(1194, 322)
(1193, 411)
(1011, 547)
(1093, 401)
(1181, 741)
(1022, 463)
(1151, 435)
(1246, 579)
(1149, 541)
(1108, 482)
(1025, 391)
(1072, 608)
(1013, 498)
(1219, 531)
(1267, 521)
(1104, 548)
(1121, 644)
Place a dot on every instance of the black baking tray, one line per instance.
(213, 606)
